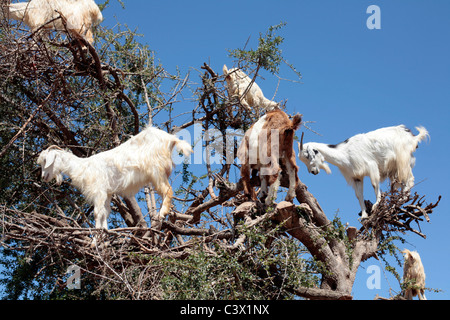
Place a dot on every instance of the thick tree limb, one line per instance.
(320, 294)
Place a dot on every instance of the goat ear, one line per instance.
(225, 70)
(50, 159)
(325, 167)
(406, 253)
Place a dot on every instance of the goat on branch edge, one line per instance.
(144, 159)
(248, 92)
(380, 154)
(414, 273)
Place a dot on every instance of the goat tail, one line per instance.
(184, 147)
(296, 121)
(289, 130)
(423, 134)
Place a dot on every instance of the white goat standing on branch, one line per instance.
(81, 15)
(249, 93)
(413, 275)
(144, 159)
(380, 154)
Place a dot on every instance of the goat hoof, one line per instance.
(289, 198)
(263, 198)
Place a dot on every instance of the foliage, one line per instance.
(268, 54)
(261, 271)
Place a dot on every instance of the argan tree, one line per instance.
(57, 89)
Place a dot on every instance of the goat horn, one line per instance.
(53, 147)
(301, 141)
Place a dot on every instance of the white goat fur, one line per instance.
(144, 159)
(414, 273)
(380, 154)
(81, 15)
(238, 83)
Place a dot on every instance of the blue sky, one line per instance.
(354, 80)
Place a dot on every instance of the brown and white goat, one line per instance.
(268, 147)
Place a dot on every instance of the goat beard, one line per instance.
(59, 179)
(325, 167)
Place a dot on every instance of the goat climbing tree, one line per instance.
(55, 89)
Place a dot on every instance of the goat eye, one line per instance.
(315, 151)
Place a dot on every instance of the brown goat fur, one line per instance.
(258, 152)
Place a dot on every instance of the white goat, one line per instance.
(249, 94)
(380, 154)
(81, 15)
(144, 159)
(413, 275)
